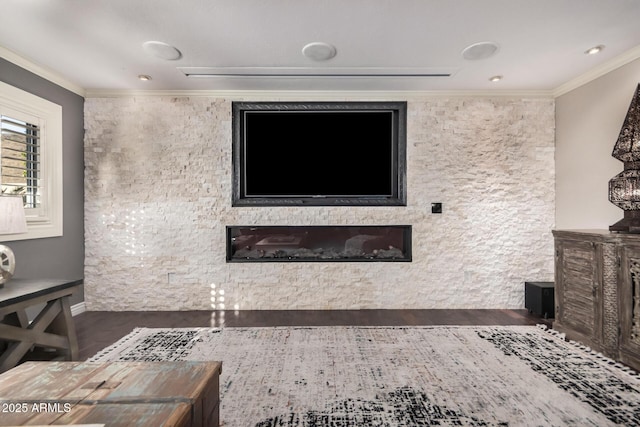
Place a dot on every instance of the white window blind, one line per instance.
(20, 160)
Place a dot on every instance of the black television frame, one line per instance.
(398, 195)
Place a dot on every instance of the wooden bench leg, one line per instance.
(53, 327)
(63, 325)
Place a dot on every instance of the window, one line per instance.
(31, 159)
(19, 160)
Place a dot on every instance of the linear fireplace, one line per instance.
(322, 243)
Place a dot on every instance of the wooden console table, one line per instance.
(115, 394)
(52, 327)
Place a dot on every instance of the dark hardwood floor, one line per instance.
(98, 329)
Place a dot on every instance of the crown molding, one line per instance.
(336, 95)
(40, 71)
(599, 71)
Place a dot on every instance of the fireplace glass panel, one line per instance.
(319, 243)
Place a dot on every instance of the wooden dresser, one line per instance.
(597, 291)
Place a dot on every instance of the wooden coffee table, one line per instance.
(116, 394)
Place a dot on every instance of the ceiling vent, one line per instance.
(317, 72)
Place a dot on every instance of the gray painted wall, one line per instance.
(57, 257)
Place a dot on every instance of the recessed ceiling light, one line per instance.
(162, 50)
(480, 50)
(319, 51)
(495, 78)
(594, 50)
(144, 77)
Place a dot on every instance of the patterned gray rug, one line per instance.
(399, 376)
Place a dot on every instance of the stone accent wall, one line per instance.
(158, 198)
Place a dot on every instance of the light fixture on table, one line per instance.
(624, 188)
(12, 221)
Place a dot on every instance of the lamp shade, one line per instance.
(12, 217)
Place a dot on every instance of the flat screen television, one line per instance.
(319, 153)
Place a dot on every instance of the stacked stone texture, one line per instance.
(158, 176)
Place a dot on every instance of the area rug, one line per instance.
(399, 376)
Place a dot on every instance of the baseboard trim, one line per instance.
(78, 308)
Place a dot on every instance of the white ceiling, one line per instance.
(97, 44)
